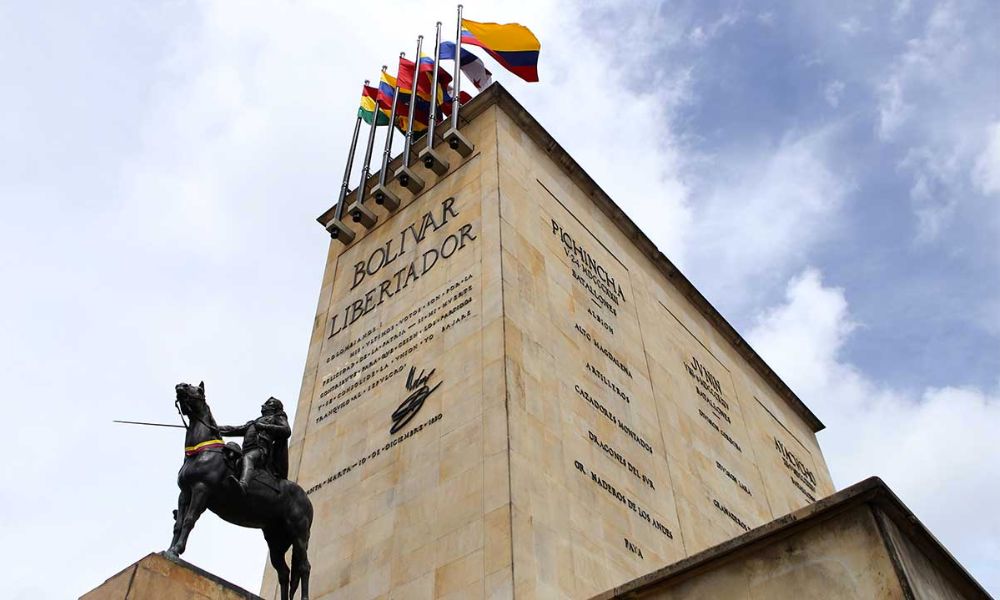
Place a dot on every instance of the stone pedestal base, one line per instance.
(157, 577)
(861, 542)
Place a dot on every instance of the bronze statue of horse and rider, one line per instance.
(246, 486)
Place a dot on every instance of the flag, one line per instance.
(424, 78)
(511, 44)
(404, 79)
(472, 66)
(386, 91)
(370, 106)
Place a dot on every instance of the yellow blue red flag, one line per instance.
(510, 44)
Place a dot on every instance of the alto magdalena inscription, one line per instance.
(395, 249)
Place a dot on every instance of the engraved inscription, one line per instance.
(611, 417)
(624, 500)
(608, 383)
(732, 516)
(733, 478)
(721, 431)
(800, 472)
(618, 458)
(633, 548)
(607, 353)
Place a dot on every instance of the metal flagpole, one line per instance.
(455, 103)
(413, 103)
(336, 227)
(434, 87)
(430, 158)
(383, 197)
(456, 141)
(406, 177)
(359, 213)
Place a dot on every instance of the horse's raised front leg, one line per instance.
(197, 502)
(182, 504)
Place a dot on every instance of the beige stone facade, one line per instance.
(510, 393)
(860, 543)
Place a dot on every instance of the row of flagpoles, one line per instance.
(421, 88)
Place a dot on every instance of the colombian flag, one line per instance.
(511, 44)
(370, 106)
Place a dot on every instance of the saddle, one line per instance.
(233, 454)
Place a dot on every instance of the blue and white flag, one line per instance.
(472, 66)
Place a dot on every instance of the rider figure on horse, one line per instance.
(265, 441)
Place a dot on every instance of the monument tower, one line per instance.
(510, 391)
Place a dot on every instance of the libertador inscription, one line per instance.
(387, 254)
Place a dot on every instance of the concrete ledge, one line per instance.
(916, 565)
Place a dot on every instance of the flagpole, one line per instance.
(432, 160)
(455, 103)
(360, 214)
(382, 195)
(407, 178)
(335, 226)
(457, 141)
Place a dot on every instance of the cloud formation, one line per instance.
(933, 446)
(171, 159)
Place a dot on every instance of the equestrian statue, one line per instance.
(246, 485)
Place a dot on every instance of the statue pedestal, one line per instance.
(157, 577)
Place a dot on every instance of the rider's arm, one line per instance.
(233, 431)
(280, 426)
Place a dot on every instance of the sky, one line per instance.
(826, 173)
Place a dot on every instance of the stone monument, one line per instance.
(510, 392)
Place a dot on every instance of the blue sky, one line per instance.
(828, 174)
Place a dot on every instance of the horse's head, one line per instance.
(190, 398)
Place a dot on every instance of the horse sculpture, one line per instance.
(207, 479)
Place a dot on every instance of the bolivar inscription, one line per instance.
(390, 252)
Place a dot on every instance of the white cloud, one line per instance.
(852, 26)
(833, 91)
(765, 209)
(933, 447)
(702, 35)
(986, 172)
(941, 75)
(928, 61)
